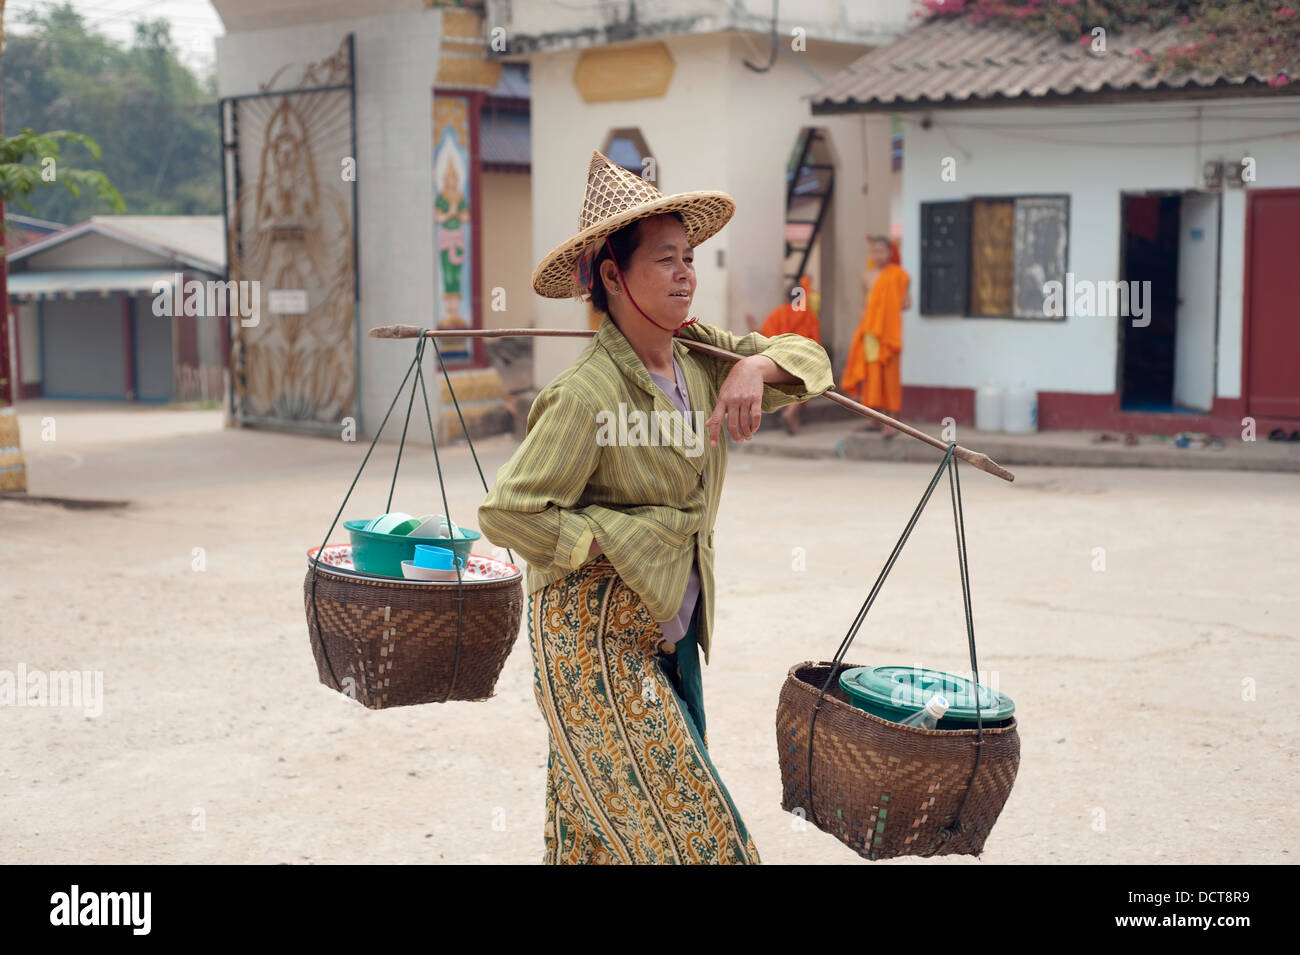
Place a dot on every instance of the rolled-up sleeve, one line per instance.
(800, 356)
(530, 507)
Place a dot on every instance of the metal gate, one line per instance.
(290, 200)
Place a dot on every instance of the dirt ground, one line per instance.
(1155, 690)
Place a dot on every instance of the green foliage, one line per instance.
(1239, 37)
(155, 120)
(19, 179)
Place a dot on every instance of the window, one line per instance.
(628, 148)
(990, 257)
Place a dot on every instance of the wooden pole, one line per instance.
(973, 458)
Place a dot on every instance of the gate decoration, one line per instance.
(289, 191)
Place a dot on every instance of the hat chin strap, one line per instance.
(676, 332)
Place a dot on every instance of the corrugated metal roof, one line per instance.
(514, 81)
(197, 237)
(69, 283)
(950, 61)
(198, 241)
(504, 137)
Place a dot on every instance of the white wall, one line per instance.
(1092, 154)
(396, 62)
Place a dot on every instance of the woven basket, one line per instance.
(393, 642)
(883, 789)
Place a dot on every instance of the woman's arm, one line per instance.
(803, 369)
(531, 507)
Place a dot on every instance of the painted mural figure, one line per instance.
(451, 215)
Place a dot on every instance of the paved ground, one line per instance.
(841, 439)
(1138, 741)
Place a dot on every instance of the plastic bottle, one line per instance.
(988, 407)
(1020, 410)
(928, 716)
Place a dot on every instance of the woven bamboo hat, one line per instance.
(616, 197)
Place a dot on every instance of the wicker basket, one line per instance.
(393, 642)
(884, 789)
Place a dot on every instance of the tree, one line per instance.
(19, 179)
(156, 121)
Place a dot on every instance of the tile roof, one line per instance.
(952, 62)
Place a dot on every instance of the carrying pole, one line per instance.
(973, 458)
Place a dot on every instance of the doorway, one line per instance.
(1167, 358)
(1272, 385)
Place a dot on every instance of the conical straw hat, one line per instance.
(616, 197)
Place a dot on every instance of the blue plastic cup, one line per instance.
(436, 558)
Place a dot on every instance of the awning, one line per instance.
(70, 283)
(505, 139)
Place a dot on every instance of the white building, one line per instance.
(1031, 160)
(346, 126)
(93, 317)
(717, 95)
(380, 163)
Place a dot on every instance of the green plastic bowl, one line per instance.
(895, 693)
(383, 554)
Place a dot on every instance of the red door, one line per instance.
(1273, 303)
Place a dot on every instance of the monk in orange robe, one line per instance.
(873, 363)
(799, 317)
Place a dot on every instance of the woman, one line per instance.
(617, 528)
(877, 345)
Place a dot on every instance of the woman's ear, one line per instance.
(611, 274)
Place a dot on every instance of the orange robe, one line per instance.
(785, 319)
(882, 317)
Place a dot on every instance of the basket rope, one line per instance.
(417, 365)
(948, 463)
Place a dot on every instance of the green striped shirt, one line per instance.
(649, 495)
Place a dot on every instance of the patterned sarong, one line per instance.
(628, 776)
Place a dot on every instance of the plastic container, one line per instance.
(382, 554)
(988, 407)
(1020, 410)
(894, 693)
(396, 522)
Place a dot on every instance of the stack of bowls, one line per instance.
(381, 544)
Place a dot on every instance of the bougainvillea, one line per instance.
(1220, 36)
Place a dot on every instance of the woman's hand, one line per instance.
(740, 399)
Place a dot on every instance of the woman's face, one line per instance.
(661, 274)
(880, 252)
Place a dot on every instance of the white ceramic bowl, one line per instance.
(435, 525)
(411, 572)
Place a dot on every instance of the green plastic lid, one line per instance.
(895, 692)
